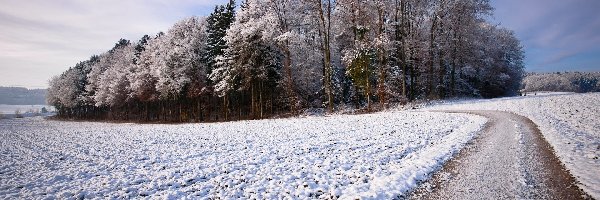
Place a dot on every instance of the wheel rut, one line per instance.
(510, 159)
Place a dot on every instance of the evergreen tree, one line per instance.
(218, 23)
(140, 47)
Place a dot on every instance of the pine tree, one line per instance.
(141, 47)
(218, 23)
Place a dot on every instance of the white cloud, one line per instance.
(554, 32)
(41, 38)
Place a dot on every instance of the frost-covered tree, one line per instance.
(218, 22)
(285, 18)
(277, 56)
(319, 13)
(143, 78)
(140, 47)
(366, 49)
(251, 61)
(182, 66)
(63, 90)
(113, 84)
(292, 29)
(67, 91)
(562, 82)
(499, 68)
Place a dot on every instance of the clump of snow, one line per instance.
(380, 155)
(570, 123)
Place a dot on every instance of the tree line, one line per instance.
(580, 82)
(280, 57)
(22, 96)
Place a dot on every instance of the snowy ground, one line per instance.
(509, 159)
(379, 155)
(570, 123)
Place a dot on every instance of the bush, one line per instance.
(18, 114)
(36, 112)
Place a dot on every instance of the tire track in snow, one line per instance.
(509, 160)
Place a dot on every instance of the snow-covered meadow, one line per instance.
(380, 155)
(570, 122)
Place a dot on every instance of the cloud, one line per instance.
(54, 35)
(42, 38)
(553, 32)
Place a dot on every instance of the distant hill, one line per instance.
(22, 96)
(562, 82)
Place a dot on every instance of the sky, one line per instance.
(557, 35)
(40, 38)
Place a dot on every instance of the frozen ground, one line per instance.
(570, 123)
(379, 155)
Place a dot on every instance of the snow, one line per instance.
(570, 123)
(380, 155)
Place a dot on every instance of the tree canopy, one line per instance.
(278, 57)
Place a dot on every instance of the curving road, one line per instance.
(510, 159)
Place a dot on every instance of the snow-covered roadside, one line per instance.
(416, 167)
(375, 155)
(570, 123)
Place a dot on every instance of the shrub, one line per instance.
(18, 114)
(36, 112)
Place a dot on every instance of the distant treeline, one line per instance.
(562, 82)
(22, 96)
(277, 57)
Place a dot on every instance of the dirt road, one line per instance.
(509, 160)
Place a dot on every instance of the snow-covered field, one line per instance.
(570, 122)
(380, 155)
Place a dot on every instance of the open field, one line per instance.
(380, 155)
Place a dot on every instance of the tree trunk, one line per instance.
(442, 75)
(381, 90)
(325, 28)
(253, 103)
(260, 96)
(368, 88)
(287, 62)
(432, 56)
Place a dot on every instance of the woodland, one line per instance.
(277, 58)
